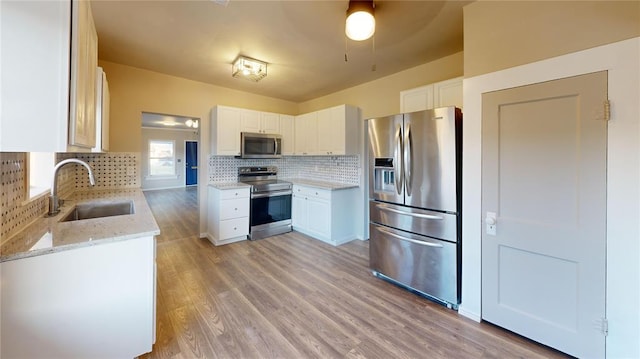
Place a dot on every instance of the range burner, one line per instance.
(262, 179)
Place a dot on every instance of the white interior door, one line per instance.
(544, 177)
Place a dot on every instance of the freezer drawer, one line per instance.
(433, 224)
(421, 263)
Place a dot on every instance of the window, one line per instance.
(162, 158)
(40, 172)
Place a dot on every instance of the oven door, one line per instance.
(270, 213)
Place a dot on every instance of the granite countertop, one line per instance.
(228, 185)
(48, 235)
(332, 186)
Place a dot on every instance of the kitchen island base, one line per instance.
(89, 302)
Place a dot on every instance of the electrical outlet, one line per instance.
(130, 171)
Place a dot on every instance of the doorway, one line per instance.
(544, 164)
(191, 163)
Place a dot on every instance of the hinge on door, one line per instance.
(607, 110)
(604, 326)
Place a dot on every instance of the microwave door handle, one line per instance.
(275, 141)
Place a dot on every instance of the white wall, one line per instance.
(179, 136)
(622, 60)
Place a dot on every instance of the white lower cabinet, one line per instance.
(325, 214)
(228, 215)
(96, 301)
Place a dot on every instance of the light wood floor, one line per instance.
(291, 296)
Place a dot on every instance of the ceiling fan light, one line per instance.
(360, 24)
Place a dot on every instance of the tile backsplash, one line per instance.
(122, 170)
(16, 212)
(111, 170)
(341, 169)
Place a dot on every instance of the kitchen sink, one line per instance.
(99, 210)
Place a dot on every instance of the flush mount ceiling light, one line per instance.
(248, 68)
(191, 123)
(360, 24)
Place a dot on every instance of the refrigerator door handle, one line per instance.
(414, 241)
(407, 159)
(398, 160)
(419, 215)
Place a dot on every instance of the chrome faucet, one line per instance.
(54, 201)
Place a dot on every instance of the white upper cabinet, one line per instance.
(287, 131)
(417, 99)
(225, 131)
(332, 131)
(270, 122)
(84, 61)
(338, 131)
(306, 134)
(439, 94)
(43, 47)
(448, 93)
(102, 112)
(259, 122)
(228, 122)
(250, 121)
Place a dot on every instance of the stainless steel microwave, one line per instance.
(260, 145)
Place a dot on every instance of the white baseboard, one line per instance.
(471, 315)
(217, 242)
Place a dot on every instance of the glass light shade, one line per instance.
(191, 123)
(360, 25)
(250, 69)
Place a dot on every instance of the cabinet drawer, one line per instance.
(236, 227)
(312, 192)
(234, 208)
(235, 193)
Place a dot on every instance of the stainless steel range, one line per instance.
(270, 201)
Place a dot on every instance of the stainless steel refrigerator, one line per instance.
(415, 201)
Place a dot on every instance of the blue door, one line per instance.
(191, 163)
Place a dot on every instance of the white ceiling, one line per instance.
(303, 41)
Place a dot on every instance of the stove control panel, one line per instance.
(266, 170)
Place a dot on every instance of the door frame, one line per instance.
(621, 60)
(185, 161)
